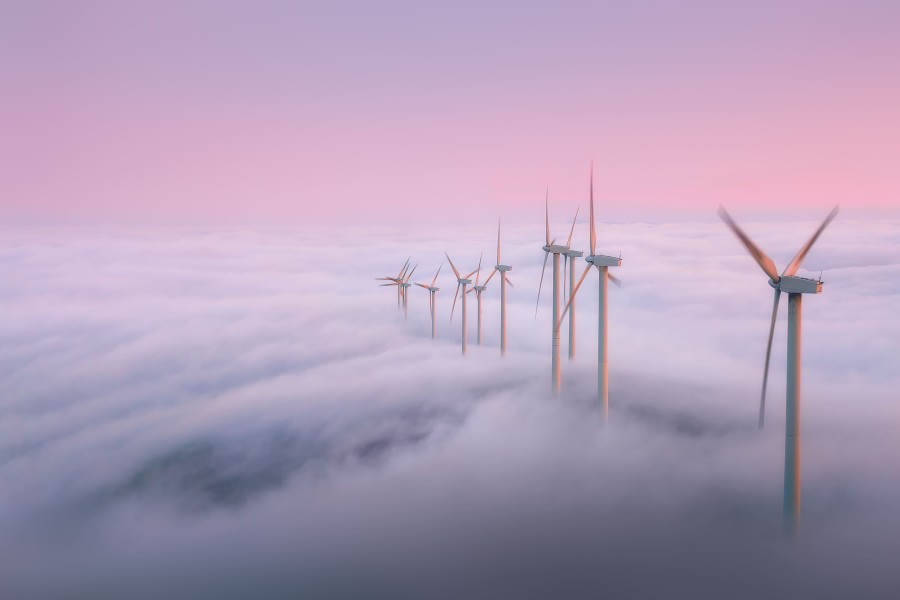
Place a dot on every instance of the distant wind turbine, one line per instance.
(795, 288)
(396, 281)
(504, 279)
(431, 299)
(556, 250)
(462, 282)
(479, 290)
(602, 262)
(404, 286)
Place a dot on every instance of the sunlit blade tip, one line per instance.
(795, 263)
(547, 214)
(436, 274)
(572, 230)
(452, 266)
(498, 241)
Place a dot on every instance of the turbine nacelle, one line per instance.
(601, 260)
(574, 253)
(791, 284)
(503, 267)
(464, 281)
(556, 249)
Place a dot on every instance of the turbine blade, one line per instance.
(436, 274)
(489, 277)
(470, 290)
(565, 271)
(761, 258)
(762, 398)
(406, 279)
(452, 266)
(615, 279)
(509, 281)
(388, 284)
(498, 241)
(593, 225)
(572, 297)
(454, 301)
(400, 274)
(572, 230)
(801, 254)
(478, 271)
(421, 285)
(547, 214)
(544, 268)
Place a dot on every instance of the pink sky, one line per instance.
(283, 112)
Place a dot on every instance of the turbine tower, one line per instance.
(795, 288)
(551, 247)
(504, 279)
(602, 262)
(431, 292)
(461, 282)
(479, 290)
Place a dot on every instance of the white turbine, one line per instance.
(504, 279)
(556, 250)
(462, 282)
(431, 301)
(602, 262)
(396, 281)
(404, 286)
(795, 288)
(479, 290)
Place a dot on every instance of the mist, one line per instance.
(245, 413)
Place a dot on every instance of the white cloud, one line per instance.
(229, 408)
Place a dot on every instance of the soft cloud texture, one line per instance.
(239, 413)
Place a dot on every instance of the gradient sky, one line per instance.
(156, 112)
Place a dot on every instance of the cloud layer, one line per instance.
(244, 412)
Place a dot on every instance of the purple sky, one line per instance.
(282, 112)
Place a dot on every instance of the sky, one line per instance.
(205, 394)
(415, 112)
(241, 412)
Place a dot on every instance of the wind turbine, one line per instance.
(431, 292)
(396, 281)
(602, 262)
(795, 288)
(462, 282)
(504, 279)
(479, 290)
(551, 247)
(404, 286)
